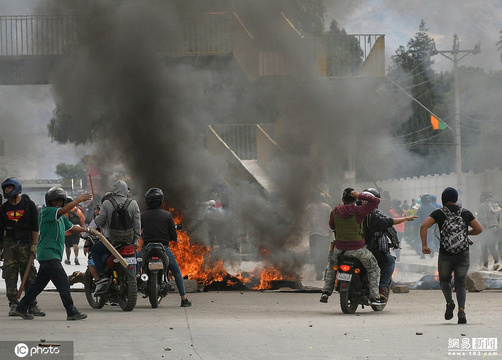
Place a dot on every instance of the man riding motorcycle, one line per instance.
(346, 222)
(158, 227)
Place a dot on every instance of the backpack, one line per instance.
(73, 217)
(121, 224)
(454, 232)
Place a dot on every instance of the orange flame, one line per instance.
(195, 263)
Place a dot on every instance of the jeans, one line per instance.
(458, 264)
(50, 270)
(173, 267)
(99, 251)
(386, 273)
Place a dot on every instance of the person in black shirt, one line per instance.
(158, 226)
(18, 240)
(448, 262)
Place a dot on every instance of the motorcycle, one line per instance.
(121, 288)
(153, 281)
(353, 285)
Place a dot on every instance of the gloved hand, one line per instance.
(33, 249)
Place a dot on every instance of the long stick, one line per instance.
(92, 192)
(25, 276)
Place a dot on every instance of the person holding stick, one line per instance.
(18, 241)
(50, 250)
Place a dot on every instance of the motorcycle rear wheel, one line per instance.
(154, 296)
(129, 295)
(346, 302)
(96, 302)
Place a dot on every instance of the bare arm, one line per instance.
(428, 222)
(71, 205)
(475, 228)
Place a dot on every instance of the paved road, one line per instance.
(262, 325)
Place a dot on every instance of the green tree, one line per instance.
(71, 171)
(343, 52)
(411, 70)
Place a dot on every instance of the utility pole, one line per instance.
(456, 58)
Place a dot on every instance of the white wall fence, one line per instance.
(472, 186)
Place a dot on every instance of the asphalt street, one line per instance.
(263, 325)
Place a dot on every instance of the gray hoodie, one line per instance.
(120, 194)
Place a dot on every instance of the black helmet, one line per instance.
(373, 192)
(154, 198)
(54, 193)
(17, 187)
(68, 200)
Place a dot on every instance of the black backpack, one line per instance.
(454, 232)
(121, 224)
(73, 217)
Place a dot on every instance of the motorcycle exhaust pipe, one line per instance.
(144, 277)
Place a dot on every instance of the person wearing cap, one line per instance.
(448, 262)
(18, 240)
(346, 222)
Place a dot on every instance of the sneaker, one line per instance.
(185, 303)
(12, 309)
(77, 316)
(76, 262)
(448, 315)
(495, 267)
(101, 286)
(35, 311)
(67, 262)
(461, 317)
(324, 298)
(377, 302)
(24, 314)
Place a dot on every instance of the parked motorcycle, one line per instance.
(353, 285)
(153, 281)
(122, 287)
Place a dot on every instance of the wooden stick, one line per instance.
(25, 276)
(92, 192)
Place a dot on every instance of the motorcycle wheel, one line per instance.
(96, 302)
(129, 295)
(348, 302)
(154, 289)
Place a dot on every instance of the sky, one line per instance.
(399, 20)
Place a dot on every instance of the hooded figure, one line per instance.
(120, 193)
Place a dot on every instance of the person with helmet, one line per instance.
(120, 197)
(379, 235)
(346, 222)
(158, 226)
(18, 240)
(76, 216)
(426, 208)
(50, 249)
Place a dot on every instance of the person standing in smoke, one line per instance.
(316, 223)
(158, 226)
(425, 209)
(487, 215)
(18, 240)
(346, 222)
(448, 262)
